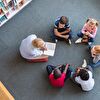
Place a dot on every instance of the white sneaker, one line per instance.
(78, 40)
(89, 43)
(56, 40)
(69, 41)
(84, 64)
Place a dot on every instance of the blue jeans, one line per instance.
(80, 34)
(94, 65)
(50, 68)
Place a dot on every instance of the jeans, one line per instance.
(94, 65)
(50, 68)
(80, 34)
(89, 68)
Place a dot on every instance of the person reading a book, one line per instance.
(32, 48)
(57, 75)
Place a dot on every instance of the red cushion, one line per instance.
(38, 60)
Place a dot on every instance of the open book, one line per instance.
(50, 49)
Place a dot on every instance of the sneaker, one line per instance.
(84, 64)
(90, 43)
(56, 40)
(69, 41)
(78, 40)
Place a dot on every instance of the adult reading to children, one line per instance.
(32, 48)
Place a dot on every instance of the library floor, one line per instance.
(29, 81)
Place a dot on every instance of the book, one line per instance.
(3, 18)
(50, 49)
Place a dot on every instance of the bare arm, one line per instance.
(59, 34)
(84, 29)
(66, 31)
(66, 68)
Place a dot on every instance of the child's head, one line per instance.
(63, 21)
(57, 73)
(92, 22)
(84, 75)
(95, 50)
(38, 43)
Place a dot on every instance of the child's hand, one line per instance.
(78, 70)
(68, 30)
(87, 33)
(66, 36)
(67, 65)
(93, 55)
(44, 48)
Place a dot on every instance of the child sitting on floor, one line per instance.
(62, 30)
(88, 31)
(95, 53)
(57, 75)
(83, 77)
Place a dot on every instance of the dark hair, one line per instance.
(84, 75)
(57, 73)
(63, 20)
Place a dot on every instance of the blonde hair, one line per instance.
(37, 42)
(97, 49)
(94, 21)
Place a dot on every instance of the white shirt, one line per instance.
(88, 84)
(27, 50)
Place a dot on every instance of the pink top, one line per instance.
(92, 31)
(57, 82)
